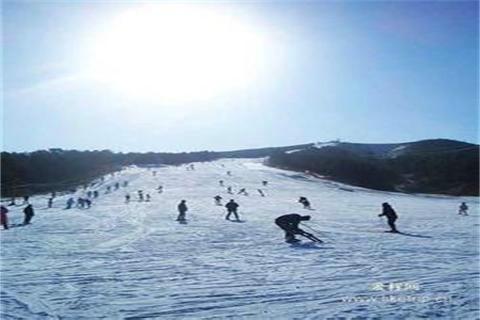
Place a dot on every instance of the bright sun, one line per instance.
(177, 52)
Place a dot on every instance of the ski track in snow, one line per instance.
(134, 261)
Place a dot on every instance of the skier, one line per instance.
(147, 196)
(218, 200)
(25, 199)
(289, 223)
(125, 183)
(261, 192)
(229, 190)
(160, 189)
(28, 211)
(305, 202)
(182, 210)
(117, 185)
(462, 210)
(80, 203)
(232, 208)
(70, 203)
(88, 203)
(391, 216)
(229, 173)
(220, 183)
(140, 195)
(89, 194)
(3, 217)
(50, 202)
(127, 198)
(264, 182)
(95, 194)
(243, 191)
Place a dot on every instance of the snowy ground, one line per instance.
(119, 261)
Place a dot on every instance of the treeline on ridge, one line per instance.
(425, 168)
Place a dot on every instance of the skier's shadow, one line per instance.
(17, 225)
(307, 246)
(413, 235)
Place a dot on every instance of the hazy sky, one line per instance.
(192, 76)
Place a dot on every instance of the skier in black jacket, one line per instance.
(28, 211)
(289, 223)
(218, 200)
(232, 208)
(305, 202)
(182, 210)
(390, 214)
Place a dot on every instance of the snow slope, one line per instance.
(134, 261)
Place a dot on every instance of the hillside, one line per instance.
(134, 261)
(427, 166)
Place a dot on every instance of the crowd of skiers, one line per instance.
(289, 223)
(27, 211)
(80, 203)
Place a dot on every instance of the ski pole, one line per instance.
(323, 234)
(309, 235)
(317, 225)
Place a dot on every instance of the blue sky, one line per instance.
(371, 72)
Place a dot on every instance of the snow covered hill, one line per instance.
(134, 261)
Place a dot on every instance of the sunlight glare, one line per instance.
(177, 53)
